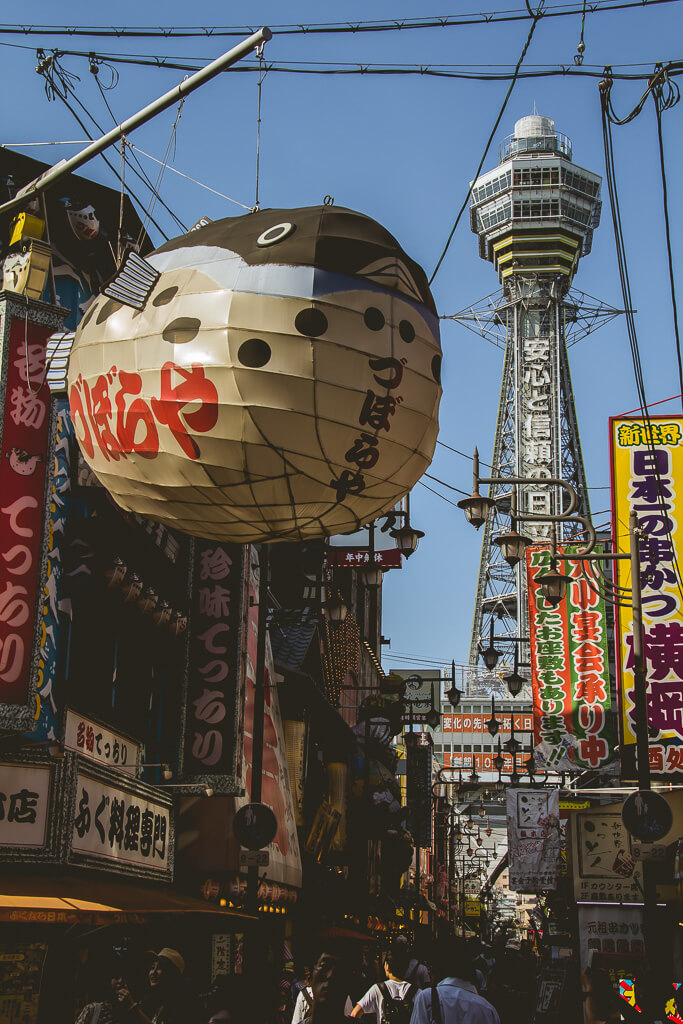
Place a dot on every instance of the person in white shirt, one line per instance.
(399, 991)
(304, 1005)
(456, 994)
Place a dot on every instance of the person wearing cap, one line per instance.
(166, 1002)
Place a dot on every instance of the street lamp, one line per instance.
(335, 609)
(514, 681)
(476, 507)
(490, 656)
(512, 544)
(406, 536)
(493, 725)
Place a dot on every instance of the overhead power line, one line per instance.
(490, 139)
(326, 28)
(455, 71)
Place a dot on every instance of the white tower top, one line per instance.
(536, 211)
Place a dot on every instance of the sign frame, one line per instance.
(226, 783)
(130, 768)
(46, 318)
(62, 809)
(53, 847)
(665, 750)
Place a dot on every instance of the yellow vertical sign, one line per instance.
(647, 478)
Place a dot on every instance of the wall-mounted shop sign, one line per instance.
(123, 824)
(25, 438)
(605, 870)
(76, 812)
(211, 754)
(90, 739)
(24, 804)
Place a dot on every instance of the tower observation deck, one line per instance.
(534, 215)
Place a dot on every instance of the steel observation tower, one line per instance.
(534, 215)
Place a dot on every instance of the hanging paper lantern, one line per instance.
(268, 377)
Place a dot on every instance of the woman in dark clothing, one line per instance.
(166, 1001)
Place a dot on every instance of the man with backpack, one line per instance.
(454, 1000)
(392, 1000)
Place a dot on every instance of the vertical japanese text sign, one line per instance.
(419, 793)
(25, 426)
(569, 667)
(647, 476)
(214, 678)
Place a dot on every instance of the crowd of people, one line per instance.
(457, 981)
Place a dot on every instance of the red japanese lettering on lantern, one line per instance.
(113, 417)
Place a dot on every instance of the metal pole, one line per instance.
(639, 678)
(259, 710)
(51, 176)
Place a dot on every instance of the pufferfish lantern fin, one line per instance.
(57, 351)
(133, 282)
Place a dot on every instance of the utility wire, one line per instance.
(660, 102)
(59, 83)
(608, 118)
(380, 69)
(490, 140)
(326, 28)
(442, 496)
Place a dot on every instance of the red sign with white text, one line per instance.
(23, 456)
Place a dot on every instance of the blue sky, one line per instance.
(403, 149)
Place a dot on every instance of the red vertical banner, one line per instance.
(550, 668)
(25, 422)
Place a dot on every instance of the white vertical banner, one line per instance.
(534, 838)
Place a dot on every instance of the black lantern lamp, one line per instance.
(513, 746)
(335, 609)
(514, 681)
(553, 584)
(481, 810)
(453, 696)
(498, 760)
(371, 574)
(406, 536)
(512, 545)
(493, 725)
(514, 777)
(433, 717)
(490, 656)
(476, 507)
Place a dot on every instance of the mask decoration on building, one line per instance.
(83, 221)
(268, 377)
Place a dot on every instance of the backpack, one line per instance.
(397, 1011)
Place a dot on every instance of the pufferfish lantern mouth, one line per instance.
(274, 376)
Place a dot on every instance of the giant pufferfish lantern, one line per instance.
(274, 376)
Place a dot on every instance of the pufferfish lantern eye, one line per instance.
(311, 322)
(374, 318)
(276, 234)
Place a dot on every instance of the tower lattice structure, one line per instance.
(534, 215)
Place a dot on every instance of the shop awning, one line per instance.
(74, 899)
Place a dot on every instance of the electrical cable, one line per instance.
(491, 137)
(660, 103)
(464, 454)
(442, 496)
(608, 118)
(327, 28)
(381, 69)
(48, 68)
(111, 167)
(94, 69)
(444, 484)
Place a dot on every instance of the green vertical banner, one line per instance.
(589, 661)
(570, 668)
